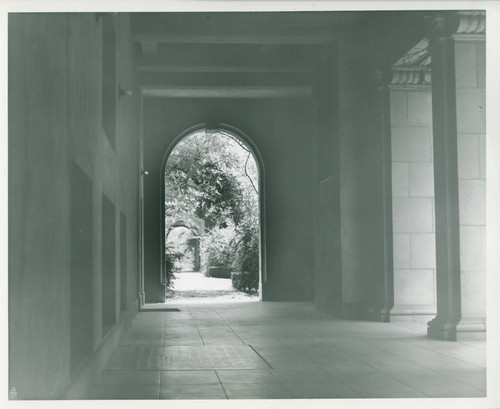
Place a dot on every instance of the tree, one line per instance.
(214, 177)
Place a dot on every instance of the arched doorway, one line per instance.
(212, 184)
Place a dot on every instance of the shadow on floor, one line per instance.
(267, 350)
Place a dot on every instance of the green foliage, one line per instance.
(214, 178)
(206, 176)
(171, 257)
(245, 282)
(248, 250)
(217, 248)
(247, 257)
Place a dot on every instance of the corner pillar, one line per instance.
(470, 50)
(447, 222)
(383, 78)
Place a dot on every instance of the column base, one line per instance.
(412, 313)
(385, 314)
(354, 311)
(326, 305)
(360, 312)
(468, 329)
(471, 329)
(155, 293)
(142, 298)
(445, 331)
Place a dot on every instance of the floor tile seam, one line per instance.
(260, 356)
(163, 336)
(132, 370)
(222, 386)
(341, 382)
(468, 345)
(444, 354)
(448, 356)
(357, 392)
(230, 327)
(407, 329)
(159, 385)
(423, 366)
(287, 388)
(374, 345)
(199, 332)
(383, 373)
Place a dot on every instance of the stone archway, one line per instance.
(245, 142)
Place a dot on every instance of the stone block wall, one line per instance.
(413, 205)
(471, 130)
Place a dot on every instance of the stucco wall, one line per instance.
(281, 130)
(55, 124)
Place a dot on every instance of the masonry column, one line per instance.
(470, 70)
(383, 77)
(328, 271)
(444, 325)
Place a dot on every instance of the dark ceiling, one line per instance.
(255, 53)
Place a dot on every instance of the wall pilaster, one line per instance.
(470, 70)
(444, 114)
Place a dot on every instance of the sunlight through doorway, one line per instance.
(212, 220)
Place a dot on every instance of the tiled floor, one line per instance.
(284, 350)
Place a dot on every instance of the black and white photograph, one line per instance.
(276, 203)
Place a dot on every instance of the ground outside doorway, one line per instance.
(195, 287)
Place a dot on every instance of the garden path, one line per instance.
(195, 287)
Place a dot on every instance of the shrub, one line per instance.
(246, 282)
(171, 257)
(218, 272)
(217, 248)
(247, 259)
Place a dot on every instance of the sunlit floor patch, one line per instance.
(194, 287)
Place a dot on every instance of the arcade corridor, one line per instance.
(369, 132)
(284, 351)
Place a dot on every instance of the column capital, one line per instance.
(441, 24)
(382, 76)
(471, 26)
(471, 22)
(463, 23)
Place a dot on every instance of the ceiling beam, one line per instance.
(291, 38)
(222, 69)
(228, 92)
(230, 57)
(166, 79)
(256, 22)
